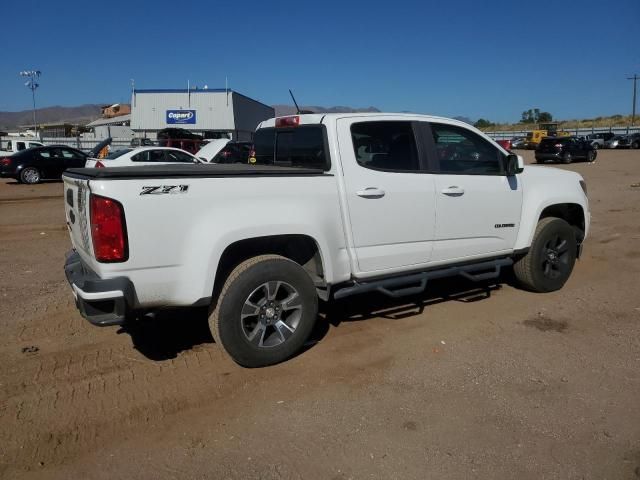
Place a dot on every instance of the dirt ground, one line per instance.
(465, 381)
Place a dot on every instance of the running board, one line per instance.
(406, 285)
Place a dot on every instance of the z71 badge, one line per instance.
(164, 190)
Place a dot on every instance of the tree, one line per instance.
(527, 117)
(545, 117)
(534, 115)
(483, 123)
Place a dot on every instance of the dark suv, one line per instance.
(180, 138)
(565, 150)
(235, 152)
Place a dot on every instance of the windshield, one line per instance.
(117, 153)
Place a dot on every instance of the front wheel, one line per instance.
(591, 156)
(635, 145)
(265, 312)
(566, 158)
(550, 260)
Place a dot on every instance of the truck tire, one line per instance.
(566, 158)
(549, 262)
(265, 312)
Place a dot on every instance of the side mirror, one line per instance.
(513, 164)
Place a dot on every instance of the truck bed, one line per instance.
(187, 170)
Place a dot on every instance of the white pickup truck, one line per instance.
(18, 144)
(335, 205)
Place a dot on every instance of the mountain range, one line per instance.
(83, 114)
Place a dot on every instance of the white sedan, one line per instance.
(131, 157)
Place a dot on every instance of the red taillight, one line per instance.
(252, 153)
(5, 161)
(226, 153)
(99, 164)
(108, 230)
(287, 122)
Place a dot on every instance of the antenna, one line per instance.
(294, 102)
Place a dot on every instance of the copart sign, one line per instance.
(181, 117)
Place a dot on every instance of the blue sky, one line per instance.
(471, 58)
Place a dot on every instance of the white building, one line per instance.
(209, 112)
(115, 127)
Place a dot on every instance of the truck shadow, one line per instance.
(165, 334)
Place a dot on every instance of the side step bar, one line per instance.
(417, 282)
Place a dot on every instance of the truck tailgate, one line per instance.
(76, 209)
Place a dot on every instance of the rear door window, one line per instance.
(302, 146)
(153, 156)
(385, 146)
(175, 156)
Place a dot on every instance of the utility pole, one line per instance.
(32, 84)
(633, 110)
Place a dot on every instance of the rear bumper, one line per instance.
(103, 302)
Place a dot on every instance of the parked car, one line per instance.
(130, 157)
(210, 149)
(35, 164)
(598, 140)
(141, 142)
(613, 141)
(506, 144)
(518, 142)
(335, 205)
(235, 152)
(180, 138)
(19, 144)
(565, 150)
(630, 141)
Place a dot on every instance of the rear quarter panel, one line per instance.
(176, 240)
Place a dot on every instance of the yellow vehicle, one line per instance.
(534, 137)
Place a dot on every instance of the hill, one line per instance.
(80, 114)
(290, 109)
(85, 113)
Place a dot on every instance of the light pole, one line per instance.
(633, 109)
(32, 84)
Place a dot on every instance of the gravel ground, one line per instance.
(465, 381)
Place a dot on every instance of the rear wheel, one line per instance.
(265, 312)
(566, 158)
(635, 145)
(30, 175)
(550, 260)
(591, 156)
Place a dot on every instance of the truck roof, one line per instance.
(316, 118)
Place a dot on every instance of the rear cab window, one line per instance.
(303, 146)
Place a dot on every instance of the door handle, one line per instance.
(453, 191)
(371, 192)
